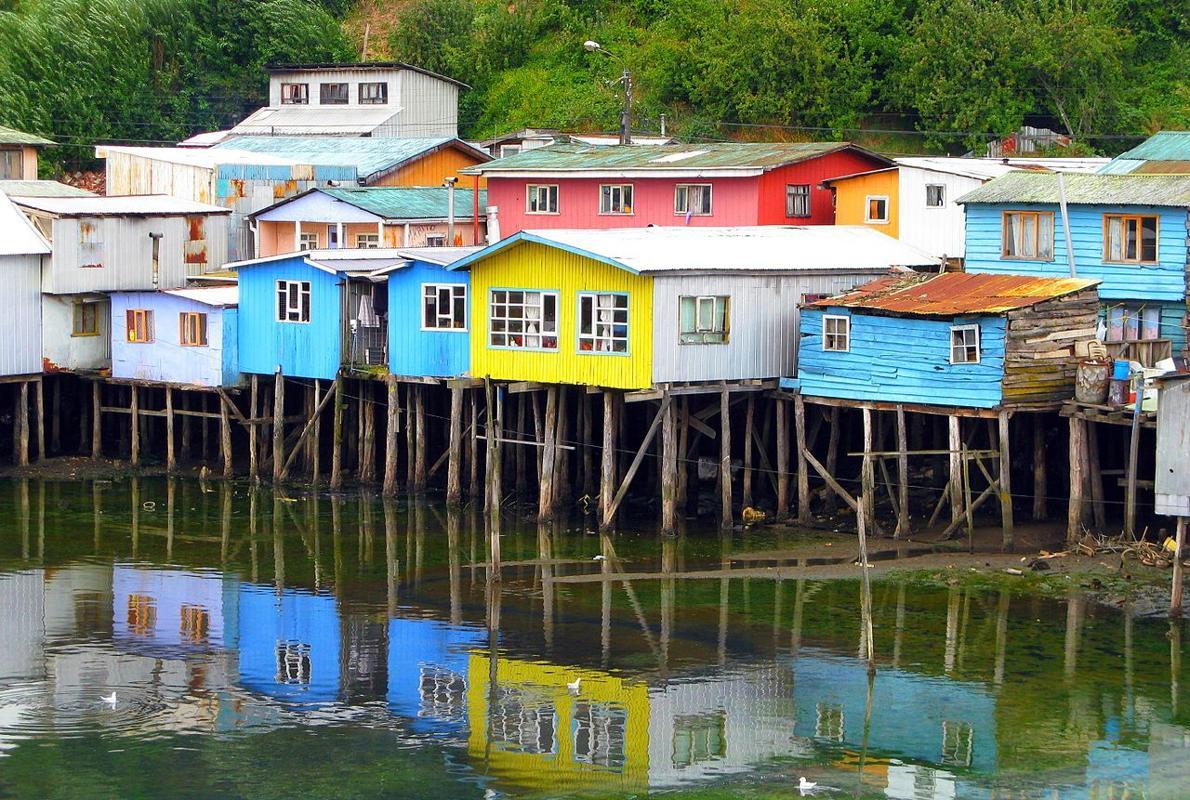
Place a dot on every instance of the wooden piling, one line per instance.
(278, 424)
(411, 434)
(746, 478)
(1175, 594)
(419, 443)
(1078, 455)
(316, 437)
(867, 475)
(224, 437)
(96, 420)
(56, 418)
(1006, 519)
(39, 402)
(831, 500)
(669, 470)
(902, 529)
(1133, 457)
(562, 483)
(1039, 474)
(588, 445)
(391, 428)
(725, 518)
(337, 438)
(607, 484)
(134, 429)
(1095, 478)
(253, 432)
(803, 466)
(21, 422)
(955, 486)
(683, 450)
(473, 448)
(454, 466)
(545, 494)
(520, 452)
(367, 455)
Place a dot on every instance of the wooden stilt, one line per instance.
(545, 496)
(39, 402)
(1078, 455)
(253, 432)
(669, 476)
(725, 519)
(185, 441)
(419, 444)
(955, 487)
(367, 469)
(96, 420)
(630, 473)
(867, 476)
(1095, 478)
(746, 478)
(1039, 476)
(803, 468)
(278, 424)
(831, 503)
(224, 437)
(683, 450)
(392, 427)
(607, 485)
(588, 445)
(562, 483)
(1175, 594)
(171, 462)
(1133, 457)
(411, 434)
(21, 422)
(519, 454)
(902, 529)
(538, 433)
(206, 430)
(56, 418)
(316, 437)
(84, 418)
(134, 427)
(454, 466)
(337, 438)
(473, 447)
(1006, 519)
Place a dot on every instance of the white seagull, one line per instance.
(599, 558)
(574, 686)
(110, 699)
(804, 786)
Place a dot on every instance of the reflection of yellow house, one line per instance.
(869, 198)
(537, 735)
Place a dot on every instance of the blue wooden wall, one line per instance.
(164, 359)
(901, 360)
(411, 350)
(302, 349)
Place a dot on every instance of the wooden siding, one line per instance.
(276, 238)
(851, 201)
(1040, 343)
(425, 353)
(62, 351)
(533, 266)
(302, 349)
(771, 187)
(901, 360)
(164, 359)
(20, 325)
(432, 169)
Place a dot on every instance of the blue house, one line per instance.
(429, 306)
(312, 313)
(953, 339)
(179, 336)
(289, 644)
(1128, 231)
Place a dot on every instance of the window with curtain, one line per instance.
(797, 200)
(192, 329)
(139, 322)
(1129, 238)
(523, 319)
(1028, 235)
(693, 199)
(603, 323)
(615, 198)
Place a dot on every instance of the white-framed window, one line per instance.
(367, 241)
(935, 195)
(293, 301)
(294, 667)
(797, 200)
(541, 198)
(508, 150)
(334, 94)
(444, 307)
(435, 240)
(295, 94)
(602, 323)
(703, 319)
(192, 329)
(692, 199)
(307, 241)
(139, 322)
(615, 198)
(86, 319)
(373, 93)
(1028, 235)
(524, 319)
(876, 209)
(836, 333)
(964, 344)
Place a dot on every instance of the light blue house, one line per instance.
(427, 673)
(178, 336)
(313, 313)
(289, 644)
(946, 340)
(429, 306)
(1128, 231)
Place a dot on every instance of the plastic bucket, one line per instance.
(1120, 371)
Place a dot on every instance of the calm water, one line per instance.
(320, 652)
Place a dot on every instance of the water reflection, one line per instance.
(227, 618)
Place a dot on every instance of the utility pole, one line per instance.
(626, 114)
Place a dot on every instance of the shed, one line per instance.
(21, 252)
(177, 336)
(18, 154)
(954, 339)
(634, 307)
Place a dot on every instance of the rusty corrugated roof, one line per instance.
(953, 294)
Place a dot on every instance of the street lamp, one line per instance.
(592, 46)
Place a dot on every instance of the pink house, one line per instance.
(721, 184)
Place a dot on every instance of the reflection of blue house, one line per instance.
(170, 612)
(427, 673)
(289, 644)
(936, 721)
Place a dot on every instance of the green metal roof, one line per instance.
(42, 189)
(568, 156)
(13, 136)
(1042, 187)
(409, 202)
(371, 156)
(1164, 153)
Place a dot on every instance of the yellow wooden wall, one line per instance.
(533, 266)
(851, 196)
(432, 169)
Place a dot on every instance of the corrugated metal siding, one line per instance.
(304, 350)
(429, 107)
(22, 625)
(533, 266)
(20, 325)
(901, 360)
(416, 352)
(762, 341)
(1165, 280)
(938, 231)
(60, 350)
(165, 359)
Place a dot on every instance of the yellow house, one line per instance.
(868, 198)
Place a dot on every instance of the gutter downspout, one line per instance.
(1066, 225)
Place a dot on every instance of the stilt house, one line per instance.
(21, 250)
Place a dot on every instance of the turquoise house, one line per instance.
(953, 339)
(1127, 231)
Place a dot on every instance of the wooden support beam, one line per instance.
(746, 482)
(473, 447)
(669, 470)
(1078, 456)
(832, 457)
(683, 412)
(411, 434)
(96, 421)
(1175, 594)
(607, 485)
(420, 443)
(337, 435)
(224, 438)
(1133, 464)
(171, 462)
(391, 428)
(367, 454)
(803, 469)
(545, 491)
(782, 412)
(725, 518)
(454, 467)
(308, 429)
(134, 422)
(630, 473)
(278, 424)
(955, 486)
(902, 529)
(842, 493)
(1006, 519)
(253, 432)
(21, 423)
(316, 437)
(867, 475)
(56, 418)
(39, 402)
(1040, 487)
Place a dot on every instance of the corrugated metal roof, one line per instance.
(1034, 187)
(766, 248)
(758, 157)
(42, 189)
(442, 256)
(134, 205)
(954, 293)
(313, 121)
(13, 136)
(370, 156)
(1162, 146)
(209, 295)
(205, 157)
(204, 139)
(18, 237)
(410, 202)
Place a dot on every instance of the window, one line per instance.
(435, 240)
(308, 241)
(508, 150)
(615, 199)
(523, 721)
(836, 334)
(702, 319)
(444, 306)
(523, 319)
(600, 734)
(142, 614)
(293, 301)
(797, 200)
(443, 694)
(10, 165)
(373, 93)
(1133, 323)
(90, 246)
(541, 199)
(698, 738)
(829, 722)
(964, 344)
(603, 323)
(367, 241)
(295, 94)
(1029, 235)
(1129, 239)
(140, 325)
(692, 199)
(876, 209)
(195, 623)
(192, 329)
(333, 94)
(935, 195)
(958, 743)
(86, 320)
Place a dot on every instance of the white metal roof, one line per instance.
(314, 120)
(983, 169)
(135, 205)
(209, 295)
(18, 237)
(767, 248)
(197, 156)
(204, 139)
